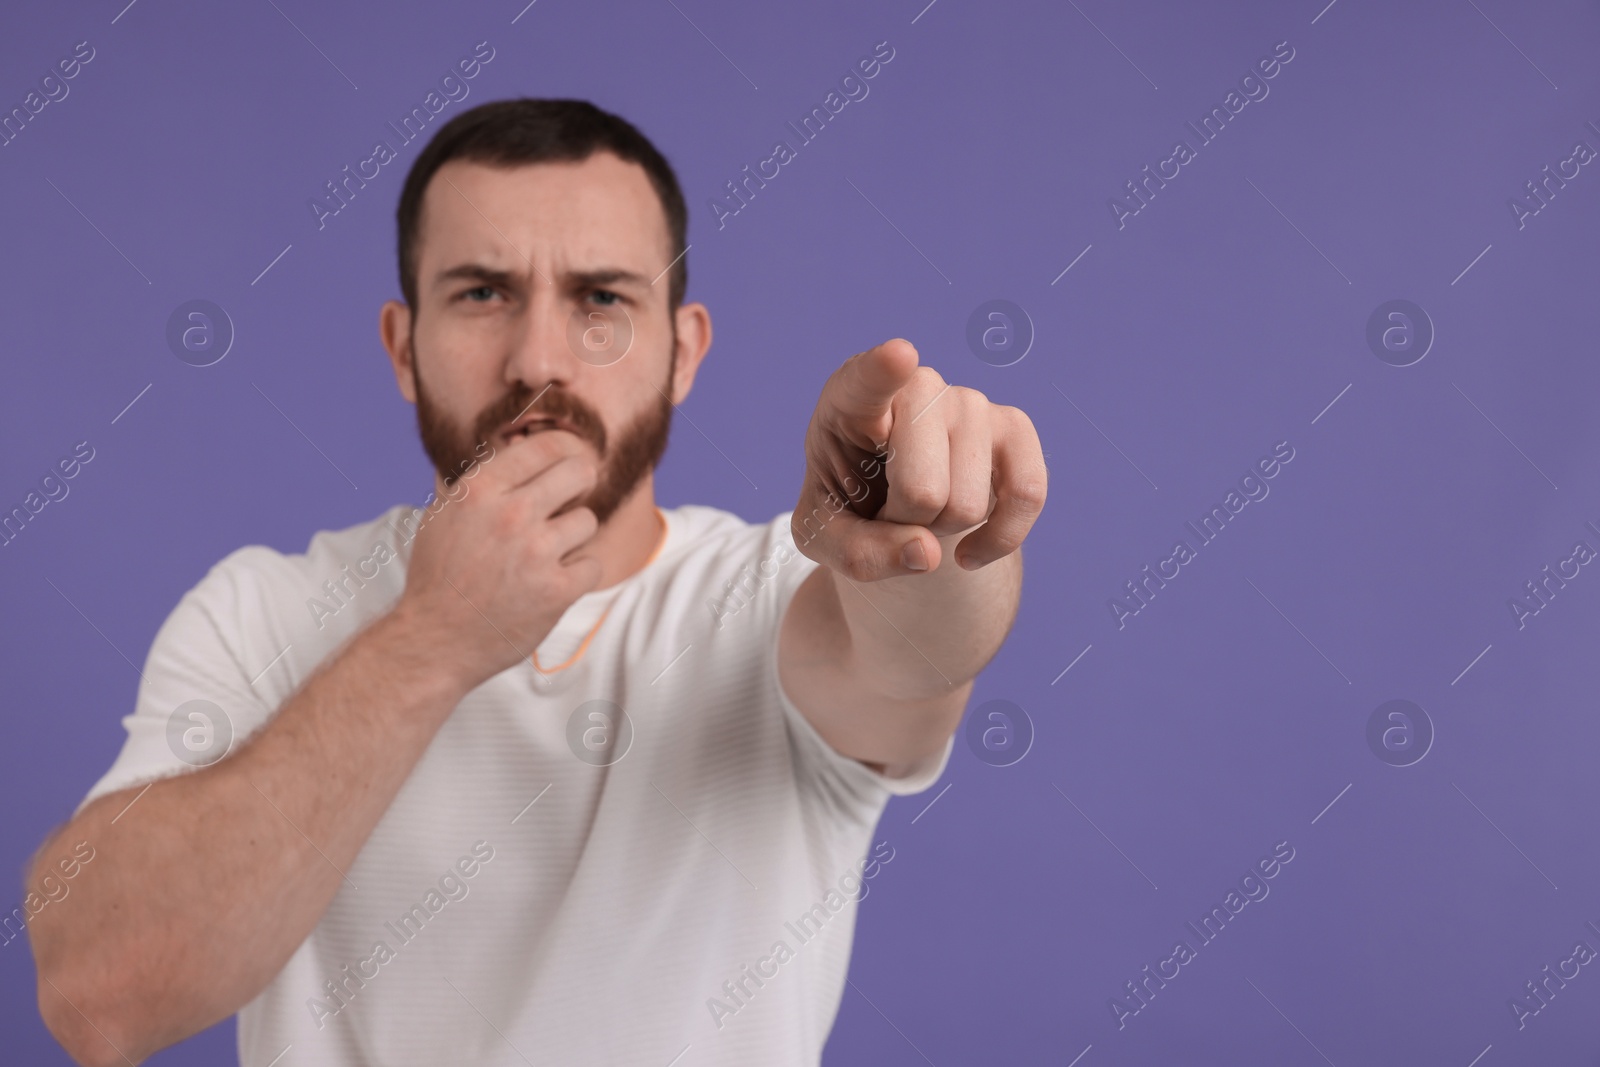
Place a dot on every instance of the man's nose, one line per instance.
(540, 353)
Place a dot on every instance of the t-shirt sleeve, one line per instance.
(196, 657)
(814, 753)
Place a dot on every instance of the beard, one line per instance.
(624, 460)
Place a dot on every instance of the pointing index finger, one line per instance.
(862, 391)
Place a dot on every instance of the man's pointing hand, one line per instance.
(896, 458)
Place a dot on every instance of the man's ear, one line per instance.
(394, 328)
(694, 340)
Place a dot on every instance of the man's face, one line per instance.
(529, 280)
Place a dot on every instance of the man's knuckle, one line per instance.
(967, 509)
(857, 561)
(1030, 492)
(923, 496)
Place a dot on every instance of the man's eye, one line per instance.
(488, 290)
(605, 297)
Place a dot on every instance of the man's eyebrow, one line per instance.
(606, 276)
(507, 279)
(477, 272)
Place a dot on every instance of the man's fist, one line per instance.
(495, 567)
(896, 458)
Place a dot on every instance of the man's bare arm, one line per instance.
(884, 669)
(204, 888)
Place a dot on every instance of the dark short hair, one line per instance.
(510, 133)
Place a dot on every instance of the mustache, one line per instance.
(552, 402)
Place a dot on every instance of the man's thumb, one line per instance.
(863, 550)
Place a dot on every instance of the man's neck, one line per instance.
(629, 538)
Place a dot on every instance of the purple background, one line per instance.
(1224, 718)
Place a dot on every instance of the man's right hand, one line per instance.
(494, 568)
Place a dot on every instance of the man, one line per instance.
(544, 773)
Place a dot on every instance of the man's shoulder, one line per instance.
(327, 548)
(700, 531)
(699, 524)
(256, 583)
(732, 566)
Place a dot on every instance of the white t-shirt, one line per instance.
(529, 897)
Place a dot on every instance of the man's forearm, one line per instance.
(925, 635)
(879, 656)
(204, 887)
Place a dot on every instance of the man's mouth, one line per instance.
(529, 426)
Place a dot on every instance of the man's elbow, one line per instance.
(83, 1020)
(93, 996)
